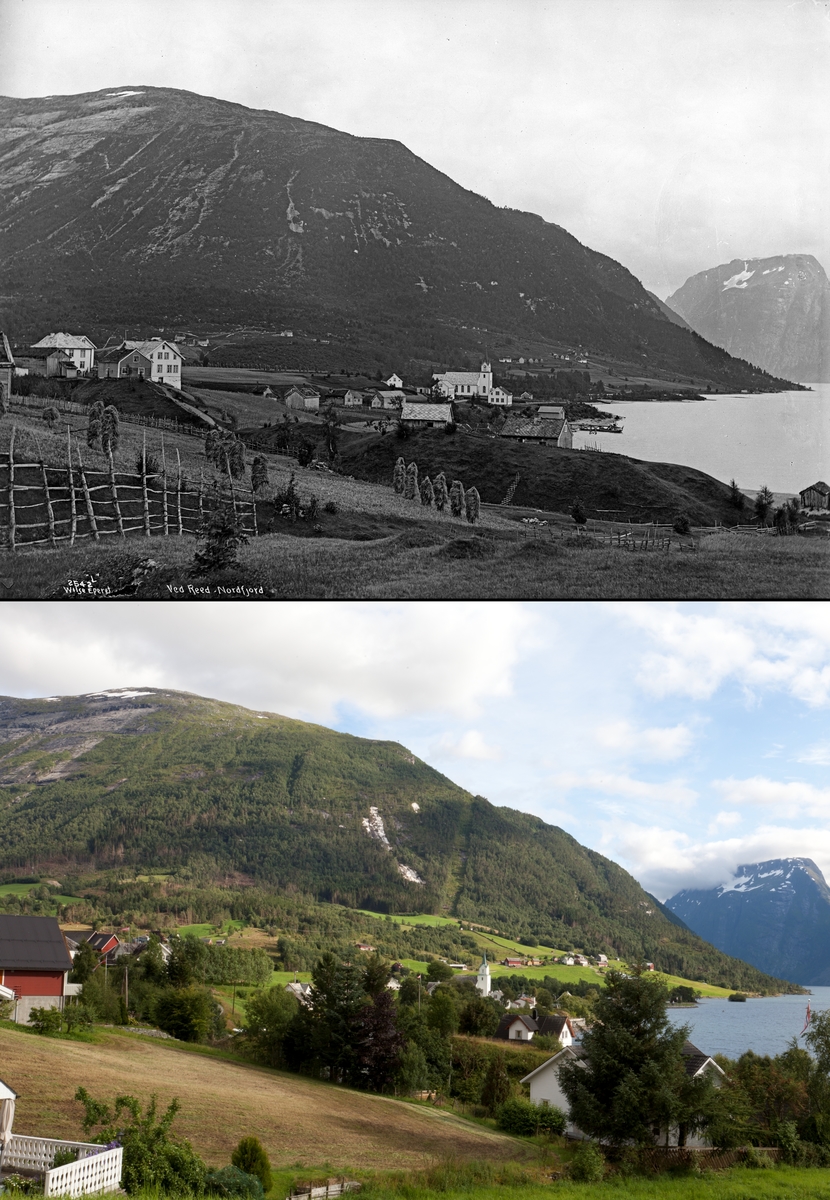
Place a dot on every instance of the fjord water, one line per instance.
(765, 1025)
(779, 439)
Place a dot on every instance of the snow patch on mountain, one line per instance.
(739, 280)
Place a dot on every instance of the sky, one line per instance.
(672, 136)
(679, 739)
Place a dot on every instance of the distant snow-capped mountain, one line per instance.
(774, 915)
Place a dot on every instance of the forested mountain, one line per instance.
(149, 778)
(164, 208)
(773, 914)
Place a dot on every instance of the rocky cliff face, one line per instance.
(162, 207)
(774, 312)
(774, 915)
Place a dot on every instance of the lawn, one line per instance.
(299, 1121)
(23, 889)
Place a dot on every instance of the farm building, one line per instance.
(521, 1027)
(426, 416)
(34, 964)
(499, 396)
(817, 495)
(556, 411)
(165, 360)
(46, 360)
(395, 382)
(118, 363)
(302, 396)
(77, 345)
(544, 430)
(353, 398)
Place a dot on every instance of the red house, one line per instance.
(34, 963)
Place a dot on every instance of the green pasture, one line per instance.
(410, 918)
(205, 929)
(23, 889)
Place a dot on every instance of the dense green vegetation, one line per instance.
(227, 793)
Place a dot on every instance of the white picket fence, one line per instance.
(325, 1191)
(96, 1169)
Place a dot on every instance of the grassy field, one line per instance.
(299, 1121)
(23, 889)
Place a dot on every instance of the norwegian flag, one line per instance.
(807, 1020)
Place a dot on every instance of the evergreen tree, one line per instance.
(472, 504)
(578, 513)
(321, 1036)
(411, 486)
(399, 477)
(110, 431)
(457, 499)
(250, 1157)
(84, 963)
(442, 1012)
(377, 1044)
(93, 428)
(268, 1013)
(427, 492)
(441, 493)
(375, 975)
(736, 496)
(763, 504)
(630, 1084)
(496, 1087)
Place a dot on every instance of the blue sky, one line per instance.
(679, 739)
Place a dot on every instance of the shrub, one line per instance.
(588, 1163)
(64, 1157)
(250, 1156)
(524, 1119)
(46, 1020)
(78, 1016)
(6, 1009)
(51, 416)
(186, 1013)
(681, 523)
(148, 462)
(230, 1181)
(759, 1159)
(578, 513)
(222, 535)
(330, 506)
(305, 452)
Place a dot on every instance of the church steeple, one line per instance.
(483, 980)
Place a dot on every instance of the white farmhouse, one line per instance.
(498, 395)
(77, 345)
(467, 385)
(483, 977)
(395, 381)
(165, 359)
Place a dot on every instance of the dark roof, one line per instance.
(693, 1059)
(816, 487)
(532, 427)
(44, 352)
(552, 1026)
(78, 935)
(32, 944)
(508, 1019)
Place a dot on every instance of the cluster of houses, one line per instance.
(73, 356)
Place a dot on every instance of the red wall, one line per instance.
(34, 983)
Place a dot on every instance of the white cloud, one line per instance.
(660, 744)
(769, 646)
(670, 791)
(789, 798)
(470, 745)
(817, 755)
(724, 820)
(300, 659)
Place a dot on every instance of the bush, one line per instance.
(186, 1013)
(64, 1157)
(305, 452)
(588, 1163)
(46, 1020)
(578, 513)
(51, 416)
(524, 1119)
(330, 506)
(759, 1159)
(147, 462)
(230, 1181)
(6, 1009)
(250, 1156)
(78, 1016)
(681, 524)
(222, 535)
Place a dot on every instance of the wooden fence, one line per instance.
(44, 505)
(667, 1158)
(72, 408)
(334, 1187)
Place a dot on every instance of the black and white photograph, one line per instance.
(400, 299)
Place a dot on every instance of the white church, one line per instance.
(464, 385)
(483, 977)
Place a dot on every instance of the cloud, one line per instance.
(470, 745)
(667, 860)
(724, 820)
(658, 744)
(672, 791)
(789, 798)
(301, 659)
(761, 647)
(817, 755)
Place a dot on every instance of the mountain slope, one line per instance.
(775, 312)
(155, 205)
(774, 914)
(155, 778)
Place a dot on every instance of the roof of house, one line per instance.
(426, 412)
(694, 1060)
(6, 1092)
(510, 1019)
(304, 390)
(66, 341)
(44, 352)
(117, 353)
(32, 944)
(533, 427)
(153, 344)
(552, 1026)
(817, 487)
(560, 1056)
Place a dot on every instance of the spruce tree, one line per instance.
(441, 493)
(427, 493)
(472, 504)
(496, 1087)
(399, 477)
(457, 498)
(250, 1157)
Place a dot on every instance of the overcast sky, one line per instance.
(669, 134)
(679, 739)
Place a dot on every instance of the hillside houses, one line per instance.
(77, 345)
(465, 385)
(544, 431)
(816, 496)
(119, 363)
(426, 416)
(164, 357)
(48, 361)
(303, 396)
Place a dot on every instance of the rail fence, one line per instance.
(72, 408)
(334, 1187)
(633, 537)
(45, 505)
(666, 1158)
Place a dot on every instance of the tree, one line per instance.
(413, 1072)
(762, 504)
(268, 1014)
(332, 423)
(250, 1157)
(399, 477)
(110, 431)
(84, 963)
(427, 492)
(479, 1017)
(222, 535)
(630, 1084)
(320, 1037)
(186, 1013)
(496, 1087)
(440, 490)
(259, 474)
(578, 513)
(442, 1012)
(46, 1020)
(377, 1044)
(375, 976)
(93, 427)
(305, 452)
(439, 972)
(736, 497)
(411, 989)
(472, 504)
(457, 499)
(410, 490)
(681, 523)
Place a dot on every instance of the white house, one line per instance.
(522, 1027)
(394, 381)
(468, 384)
(302, 396)
(545, 1087)
(483, 977)
(498, 395)
(302, 991)
(77, 345)
(552, 410)
(353, 398)
(165, 360)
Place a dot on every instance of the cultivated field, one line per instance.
(299, 1121)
